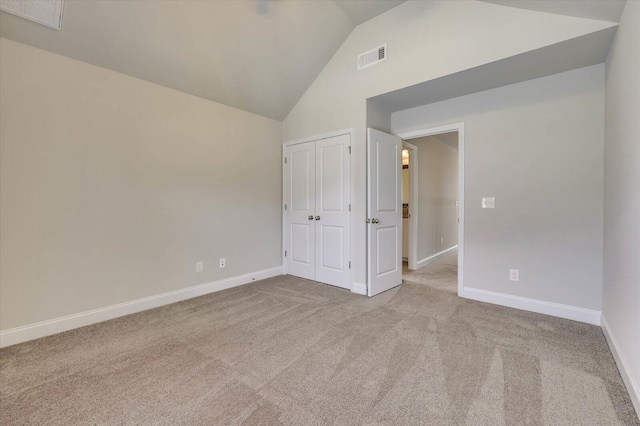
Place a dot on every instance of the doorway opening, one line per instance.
(433, 207)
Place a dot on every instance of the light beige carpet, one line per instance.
(290, 351)
(441, 274)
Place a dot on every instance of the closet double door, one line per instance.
(317, 210)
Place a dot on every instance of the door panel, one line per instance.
(331, 177)
(332, 243)
(386, 248)
(333, 180)
(300, 196)
(386, 178)
(384, 211)
(301, 243)
(302, 192)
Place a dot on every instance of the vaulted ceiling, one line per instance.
(256, 55)
(602, 10)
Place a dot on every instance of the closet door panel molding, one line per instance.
(317, 218)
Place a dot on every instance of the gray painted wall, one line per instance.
(537, 147)
(421, 48)
(112, 188)
(621, 295)
(437, 195)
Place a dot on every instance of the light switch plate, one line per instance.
(488, 202)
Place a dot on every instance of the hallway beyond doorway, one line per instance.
(441, 274)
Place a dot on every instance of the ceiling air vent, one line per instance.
(372, 57)
(45, 12)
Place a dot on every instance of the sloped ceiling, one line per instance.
(602, 10)
(256, 55)
(362, 10)
(259, 56)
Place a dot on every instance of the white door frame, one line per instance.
(352, 136)
(456, 127)
(413, 205)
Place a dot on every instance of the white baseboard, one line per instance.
(58, 325)
(548, 308)
(427, 260)
(623, 367)
(359, 288)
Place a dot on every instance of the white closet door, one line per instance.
(384, 196)
(301, 206)
(332, 216)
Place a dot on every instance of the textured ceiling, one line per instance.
(602, 10)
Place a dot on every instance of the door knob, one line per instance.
(317, 217)
(311, 217)
(375, 221)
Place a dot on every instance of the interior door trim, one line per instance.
(454, 127)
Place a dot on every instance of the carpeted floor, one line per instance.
(441, 274)
(291, 351)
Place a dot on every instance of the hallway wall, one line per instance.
(437, 196)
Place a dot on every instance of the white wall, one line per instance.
(621, 295)
(112, 188)
(422, 45)
(437, 194)
(537, 147)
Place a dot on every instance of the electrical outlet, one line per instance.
(488, 203)
(199, 266)
(223, 262)
(514, 274)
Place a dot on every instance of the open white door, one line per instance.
(384, 211)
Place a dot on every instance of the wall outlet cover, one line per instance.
(514, 274)
(488, 202)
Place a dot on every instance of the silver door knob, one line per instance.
(311, 217)
(375, 221)
(317, 217)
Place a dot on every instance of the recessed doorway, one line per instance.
(435, 207)
(430, 211)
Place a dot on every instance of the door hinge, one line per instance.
(349, 149)
(349, 264)
(285, 207)
(285, 253)
(285, 160)
(349, 207)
